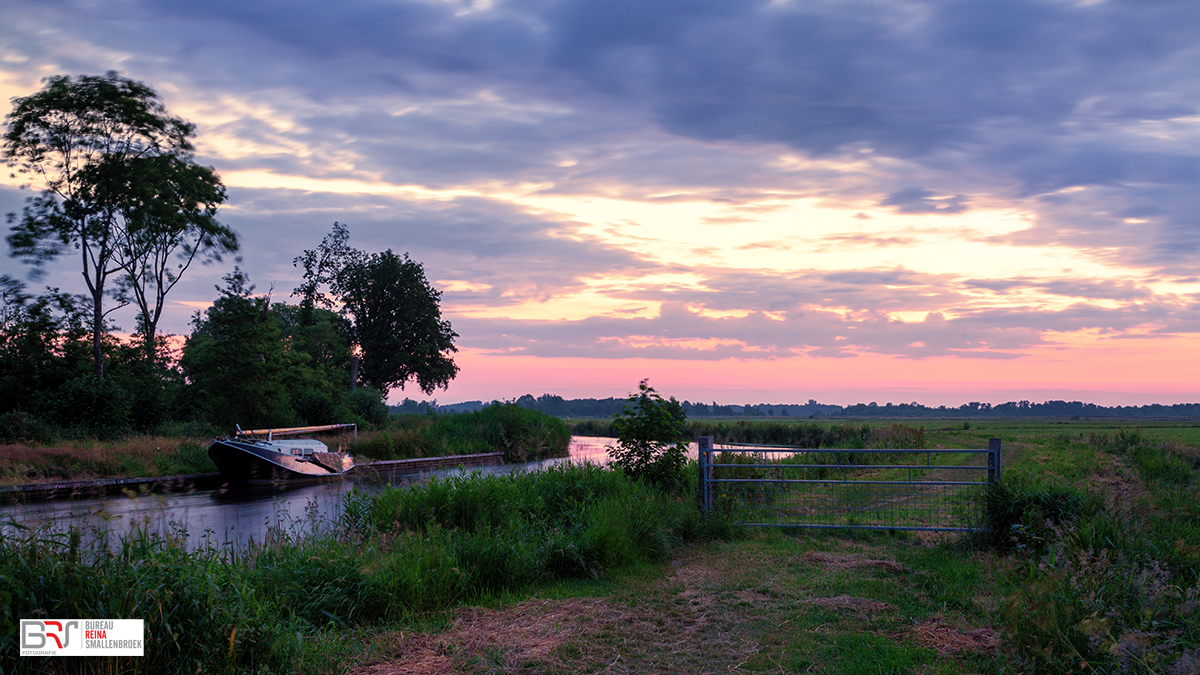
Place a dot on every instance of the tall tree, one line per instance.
(397, 322)
(93, 144)
(236, 360)
(394, 316)
(170, 222)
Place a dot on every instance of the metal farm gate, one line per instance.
(875, 489)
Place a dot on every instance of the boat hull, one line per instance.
(261, 464)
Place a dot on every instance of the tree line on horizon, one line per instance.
(606, 407)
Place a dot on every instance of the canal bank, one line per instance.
(73, 489)
(208, 512)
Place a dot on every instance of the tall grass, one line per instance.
(568, 520)
(1019, 517)
(1106, 587)
(139, 456)
(391, 554)
(522, 435)
(192, 602)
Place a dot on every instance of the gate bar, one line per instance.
(706, 465)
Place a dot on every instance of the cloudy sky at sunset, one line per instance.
(933, 201)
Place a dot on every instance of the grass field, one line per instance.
(768, 603)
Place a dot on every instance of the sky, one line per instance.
(934, 201)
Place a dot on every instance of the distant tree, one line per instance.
(411, 407)
(117, 178)
(393, 312)
(553, 405)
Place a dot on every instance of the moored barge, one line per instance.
(268, 456)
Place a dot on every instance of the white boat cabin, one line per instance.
(303, 447)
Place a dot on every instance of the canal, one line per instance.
(234, 517)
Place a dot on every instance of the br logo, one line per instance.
(44, 631)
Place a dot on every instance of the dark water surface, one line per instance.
(233, 518)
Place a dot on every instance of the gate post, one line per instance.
(705, 446)
(993, 461)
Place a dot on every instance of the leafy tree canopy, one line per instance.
(235, 360)
(118, 185)
(170, 222)
(256, 363)
(42, 343)
(392, 311)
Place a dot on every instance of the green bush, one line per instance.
(523, 435)
(650, 438)
(97, 406)
(1018, 517)
(17, 426)
(368, 404)
(314, 406)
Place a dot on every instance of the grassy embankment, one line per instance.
(522, 435)
(142, 456)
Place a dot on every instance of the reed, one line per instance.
(522, 435)
(798, 434)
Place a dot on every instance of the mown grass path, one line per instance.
(771, 603)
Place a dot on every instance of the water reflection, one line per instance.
(232, 518)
